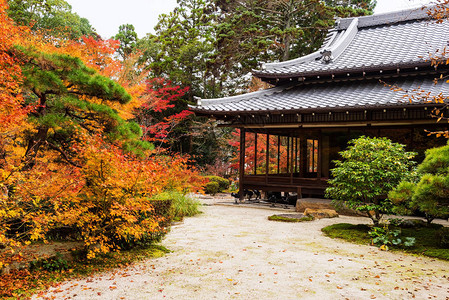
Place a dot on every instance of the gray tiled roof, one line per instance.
(306, 97)
(375, 42)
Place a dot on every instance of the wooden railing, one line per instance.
(285, 183)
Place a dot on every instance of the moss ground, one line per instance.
(426, 244)
(289, 219)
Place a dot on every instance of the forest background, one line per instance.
(92, 130)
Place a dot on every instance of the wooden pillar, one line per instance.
(279, 150)
(255, 153)
(298, 146)
(292, 162)
(299, 192)
(242, 161)
(302, 156)
(267, 166)
(295, 153)
(320, 155)
(288, 154)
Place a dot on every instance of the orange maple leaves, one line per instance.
(104, 192)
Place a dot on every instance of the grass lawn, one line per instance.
(426, 244)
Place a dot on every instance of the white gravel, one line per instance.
(236, 253)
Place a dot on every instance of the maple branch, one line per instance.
(64, 155)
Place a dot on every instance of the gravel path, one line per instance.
(236, 253)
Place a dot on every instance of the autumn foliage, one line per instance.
(71, 153)
(152, 116)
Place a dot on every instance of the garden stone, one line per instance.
(304, 203)
(321, 213)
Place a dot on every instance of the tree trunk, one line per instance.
(34, 143)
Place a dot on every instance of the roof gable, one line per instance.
(388, 41)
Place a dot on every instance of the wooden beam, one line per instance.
(319, 125)
(242, 161)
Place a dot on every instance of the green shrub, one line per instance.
(222, 182)
(212, 188)
(443, 237)
(371, 167)
(429, 191)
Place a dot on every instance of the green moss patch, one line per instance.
(290, 218)
(427, 241)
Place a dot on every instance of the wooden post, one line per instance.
(255, 153)
(295, 145)
(242, 161)
(296, 155)
(288, 155)
(292, 148)
(279, 150)
(267, 167)
(320, 155)
(302, 156)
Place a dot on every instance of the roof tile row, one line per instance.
(333, 96)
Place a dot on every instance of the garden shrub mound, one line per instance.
(212, 188)
(223, 183)
(290, 218)
(216, 185)
(428, 238)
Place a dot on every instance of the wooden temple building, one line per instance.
(372, 76)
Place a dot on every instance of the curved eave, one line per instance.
(207, 112)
